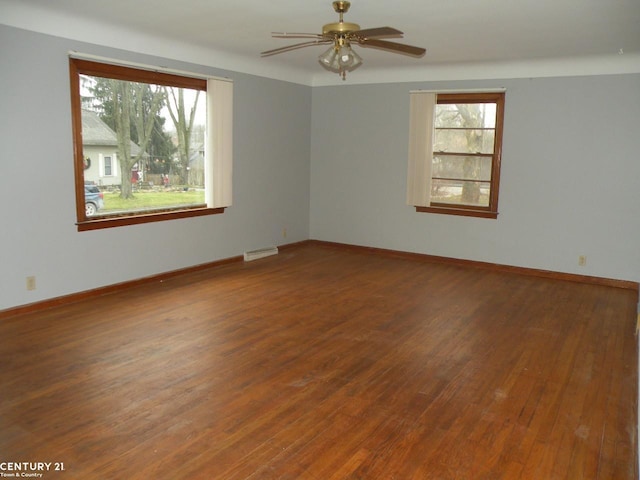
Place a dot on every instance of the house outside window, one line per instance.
(158, 145)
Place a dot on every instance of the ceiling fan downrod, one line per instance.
(341, 7)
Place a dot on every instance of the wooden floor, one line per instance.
(326, 363)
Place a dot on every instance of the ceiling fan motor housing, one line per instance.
(341, 27)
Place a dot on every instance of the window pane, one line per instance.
(460, 192)
(467, 115)
(144, 144)
(464, 141)
(463, 168)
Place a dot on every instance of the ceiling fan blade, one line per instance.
(377, 32)
(295, 46)
(394, 47)
(295, 35)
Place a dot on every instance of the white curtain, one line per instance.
(219, 143)
(421, 114)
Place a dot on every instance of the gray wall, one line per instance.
(570, 182)
(38, 234)
(326, 163)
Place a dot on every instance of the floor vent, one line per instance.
(256, 254)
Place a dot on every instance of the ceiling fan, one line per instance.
(340, 57)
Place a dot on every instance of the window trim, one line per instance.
(79, 66)
(464, 210)
(491, 211)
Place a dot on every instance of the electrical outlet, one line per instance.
(582, 260)
(284, 233)
(31, 283)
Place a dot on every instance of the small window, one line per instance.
(107, 167)
(461, 153)
(156, 145)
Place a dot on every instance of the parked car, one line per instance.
(93, 200)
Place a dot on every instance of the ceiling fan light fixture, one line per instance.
(340, 59)
(345, 56)
(356, 60)
(348, 59)
(329, 58)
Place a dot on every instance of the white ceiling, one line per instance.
(464, 38)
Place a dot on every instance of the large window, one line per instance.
(156, 145)
(455, 150)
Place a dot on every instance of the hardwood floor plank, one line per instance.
(328, 363)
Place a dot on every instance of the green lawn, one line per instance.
(151, 199)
